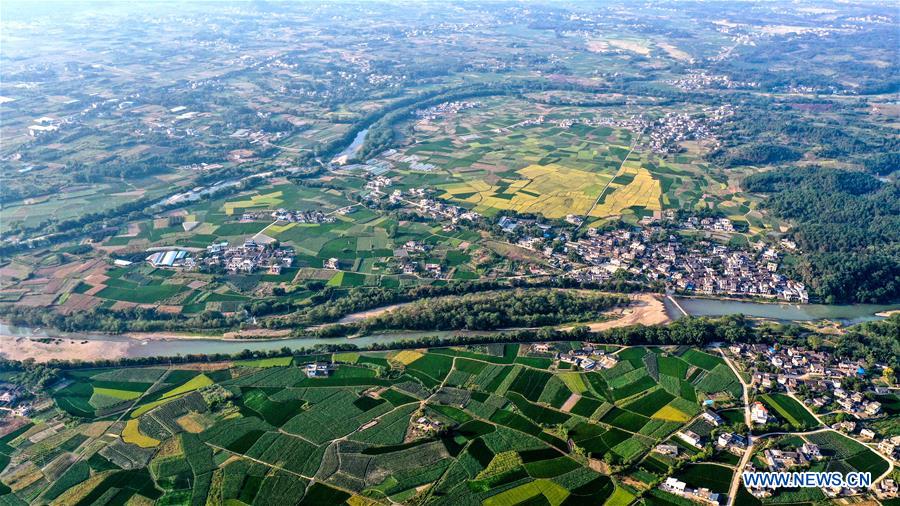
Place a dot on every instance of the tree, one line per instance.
(814, 341)
(889, 375)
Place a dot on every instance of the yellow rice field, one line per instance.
(406, 357)
(551, 190)
(642, 191)
(131, 434)
(671, 414)
(259, 201)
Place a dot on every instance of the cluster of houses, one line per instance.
(780, 460)
(703, 495)
(253, 137)
(45, 125)
(10, 400)
(821, 378)
(890, 446)
(708, 224)
(887, 489)
(425, 424)
(733, 443)
(701, 80)
(288, 216)
(413, 267)
(429, 269)
(418, 200)
(446, 108)
(667, 132)
(249, 257)
(818, 371)
(703, 267)
(317, 369)
(377, 185)
(588, 359)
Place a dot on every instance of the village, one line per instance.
(247, 258)
(836, 391)
(814, 377)
(701, 267)
(282, 216)
(654, 252)
(823, 383)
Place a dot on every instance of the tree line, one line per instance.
(489, 311)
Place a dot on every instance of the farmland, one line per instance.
(272, 253)
(442, 426)
(440, 156)
(789, 409)
(547, 170)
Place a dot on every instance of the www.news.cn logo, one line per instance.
(807, 479)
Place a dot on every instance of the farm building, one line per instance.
(170, 258)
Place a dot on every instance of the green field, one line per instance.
(506, 427)
(788, 409)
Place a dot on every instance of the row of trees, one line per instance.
(326, 305)
(490, 311)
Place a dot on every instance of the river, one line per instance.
(116, 346)
(846, 314)
(20, 342)
(350, 151)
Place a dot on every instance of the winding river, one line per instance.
(45, 344)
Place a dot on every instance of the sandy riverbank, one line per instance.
(44, 350)
(645, 309)
(362, 315)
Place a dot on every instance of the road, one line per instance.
(603, 191)
(748, 453)
(753, 440)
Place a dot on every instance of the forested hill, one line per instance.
(848, 225)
